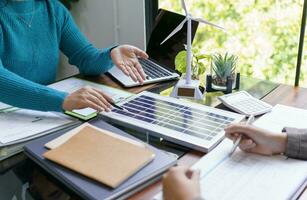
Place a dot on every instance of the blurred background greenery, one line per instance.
(264, 34)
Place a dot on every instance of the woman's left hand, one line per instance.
(181, 183)
(125, 57)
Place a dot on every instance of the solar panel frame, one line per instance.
(182, 135)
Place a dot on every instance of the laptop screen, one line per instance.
(165, 23)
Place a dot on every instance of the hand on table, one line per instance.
(87, 97)
(181, 183)
(125, 57)
(256, 140)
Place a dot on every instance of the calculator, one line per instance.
(244, 103)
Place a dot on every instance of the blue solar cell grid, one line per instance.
(194, 122)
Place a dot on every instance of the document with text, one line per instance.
(250, 176)
(21, 124)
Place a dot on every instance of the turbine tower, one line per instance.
(188, 86)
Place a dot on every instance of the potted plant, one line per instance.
(198, 64)
(223, 66)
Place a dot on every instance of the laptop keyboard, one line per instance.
(153, 70)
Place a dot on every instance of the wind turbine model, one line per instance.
(188, 87)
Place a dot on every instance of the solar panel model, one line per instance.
(193, 125)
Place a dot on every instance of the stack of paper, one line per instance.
(21, 125)
(4, 106)
(283, 116)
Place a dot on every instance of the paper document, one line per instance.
(4, 106)
(72, 84)
(283, 116)
(250, 176)
(24, 123)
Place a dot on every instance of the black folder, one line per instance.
(89, 189)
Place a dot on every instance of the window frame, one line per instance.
(301, 46)
(151, 10)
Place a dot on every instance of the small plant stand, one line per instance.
(228, 84)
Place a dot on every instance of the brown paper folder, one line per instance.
(102, 155)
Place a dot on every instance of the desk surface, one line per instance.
(23, 170)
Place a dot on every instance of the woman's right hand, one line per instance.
(256, 140)
(87, 97)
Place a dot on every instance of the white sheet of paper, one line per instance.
(25, 123)
(250, 176)
(4, 106)
(72, 84)
(283, 116)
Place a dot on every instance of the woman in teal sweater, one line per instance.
(31, 34)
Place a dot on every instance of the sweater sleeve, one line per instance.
(80, 52)
(22, 93)
(297, 143)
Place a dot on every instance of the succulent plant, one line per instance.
(224, 66)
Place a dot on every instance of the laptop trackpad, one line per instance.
(121, 77)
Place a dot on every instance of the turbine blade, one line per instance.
(174, 31)
(184, 7)
(209, 23)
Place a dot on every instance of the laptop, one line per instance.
(161, 63)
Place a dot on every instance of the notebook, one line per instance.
(101, 155)
(87, 188)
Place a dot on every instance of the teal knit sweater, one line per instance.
(31, 34)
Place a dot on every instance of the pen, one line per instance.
(238, 140)
(117, 106)
(37, 119)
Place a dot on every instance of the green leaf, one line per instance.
(203, 56)
(201, 68)
(180, 61)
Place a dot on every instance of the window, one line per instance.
(263, 33)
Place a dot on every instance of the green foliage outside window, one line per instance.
(264, 34)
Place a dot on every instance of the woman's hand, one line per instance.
(181, 183)
(125, 57)
(256, 140)
(87, 97)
